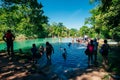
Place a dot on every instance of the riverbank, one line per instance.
(22, 68)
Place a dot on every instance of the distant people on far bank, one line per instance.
(49, 50)
(85, 37)
(104, 51)
(9, 39)
(95, 43)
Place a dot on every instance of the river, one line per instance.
(75, 53)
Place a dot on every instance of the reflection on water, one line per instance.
(75, 57)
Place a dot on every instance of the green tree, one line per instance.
(23, 17)
(73, 32)
(109, 14)
(84, 30)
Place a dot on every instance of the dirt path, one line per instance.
(24, 69)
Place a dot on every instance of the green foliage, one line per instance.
(106, 77)
(23, 17)
(57, 30)
(26, 17)
(114, 60)
(106, 18)
(73, 32)
(85, 30)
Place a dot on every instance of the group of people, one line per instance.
(9, 39)
(92, 50)
(48, 50)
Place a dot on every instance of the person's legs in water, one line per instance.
(48, 59)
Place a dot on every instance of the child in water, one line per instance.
(41, 49)
(64, 54)
(69, 44)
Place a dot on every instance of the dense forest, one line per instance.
(26, 19)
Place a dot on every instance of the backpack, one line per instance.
(105, 47)
(90, 48)
(87, 51)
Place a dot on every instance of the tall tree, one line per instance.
(24, 16)
(107, 19)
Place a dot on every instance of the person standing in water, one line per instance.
(49, 50)
(64, 54)
(41, 50)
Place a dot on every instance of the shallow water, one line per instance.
(75, 53)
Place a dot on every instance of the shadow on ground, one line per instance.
(20, 67)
